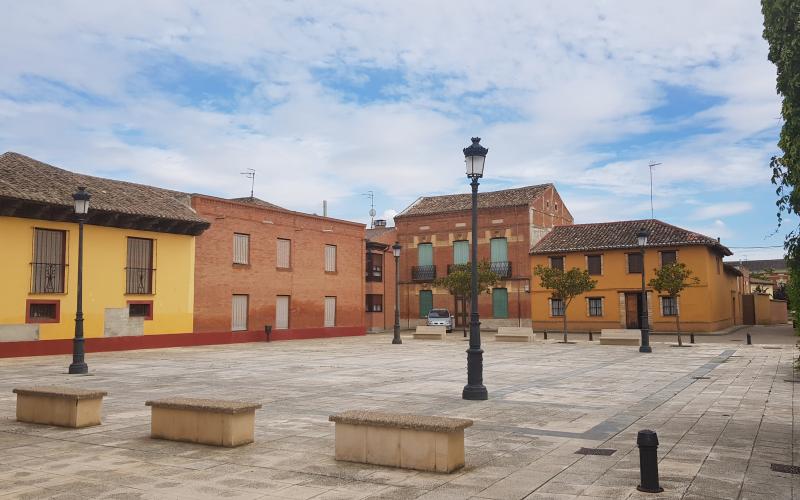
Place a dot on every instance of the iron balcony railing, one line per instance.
(423, 273)
(47, 277)
(375, 274)
(502, 269)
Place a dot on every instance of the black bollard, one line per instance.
(647, 441)
(267, 330)
(590, 336)
(691, 338)
(749, 340)
(545, 334)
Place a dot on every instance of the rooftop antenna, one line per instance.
(250, 174)
(651, 165)
(372, 212)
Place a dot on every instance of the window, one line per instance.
(635, 263)
(500, 302)
(555, 207)
(595, 306)
(47, 268)
(425, 303)
(556, 307)
(241, 248)
(284, 254)
(425, 254)
(374, 266)
(669, 306)
(139, 270)
(43, 311)
(239, 313)
(374, 303)
(498, 250)
(330, 312)
(460, 252)
(282, 312)
(140, 309)
(557, 263)
(668, 257)
(594, 264)
(330, 258)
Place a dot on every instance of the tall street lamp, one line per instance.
(475, 156)
(641, 238)
(396, 251)
(78, 365)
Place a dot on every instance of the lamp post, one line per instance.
(78, 366)
(396, 251)
(641, 238)
(475, 158)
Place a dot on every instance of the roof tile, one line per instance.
(457, 202)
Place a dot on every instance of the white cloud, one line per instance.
(722, 210)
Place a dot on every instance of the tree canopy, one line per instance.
(459, 280)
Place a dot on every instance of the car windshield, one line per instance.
(439, 313)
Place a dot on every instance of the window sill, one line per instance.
(238, 265)
(284, 269)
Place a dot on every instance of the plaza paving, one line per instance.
(723, 413)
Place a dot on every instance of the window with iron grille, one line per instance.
(635, 263)
(374, 266)
(139, 270)
(330, 258)
(241, 248)
(141, 310)
(374, 302)
(47, 268)
(557, 263)
(595, 306)
(43, 311)
(669, 306)
(556, 307)
(594, 264)
(668, 257)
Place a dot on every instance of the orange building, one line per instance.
(609, 251)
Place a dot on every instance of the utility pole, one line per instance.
(651, 165)
(250, 174)
(372, 212)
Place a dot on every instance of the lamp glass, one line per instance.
(396, 250)
(81, 199)
(641, 237)
(475, 165)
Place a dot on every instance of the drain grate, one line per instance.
(596, 451)
(789, 469)
(701, 378)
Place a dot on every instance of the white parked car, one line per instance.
(440, 317)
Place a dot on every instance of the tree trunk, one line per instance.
(678, 327)
(565, 324)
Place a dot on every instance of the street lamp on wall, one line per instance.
(78, 366)
(475, 159)
(641, 238)
(396, 251)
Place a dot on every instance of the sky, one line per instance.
(332, 100)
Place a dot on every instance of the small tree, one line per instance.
(565, 285)
(459, 282)
(672, 279)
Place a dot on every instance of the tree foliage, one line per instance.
(459, 280)
(672, 279)
(565, 285)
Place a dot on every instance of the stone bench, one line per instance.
(62, 406)
(514, 334)
(620, 337)
(399, 440)
(205, 421)
(431, 333)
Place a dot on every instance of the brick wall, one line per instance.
(217, 278)
(384, 320)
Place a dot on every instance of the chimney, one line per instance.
(380, 222)
(324, 208)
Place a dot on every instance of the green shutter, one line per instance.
(425, 303)
(425, 254)
(500, 302)
(499, 250)
(460, 252)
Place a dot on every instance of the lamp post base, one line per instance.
(397, 340)
(645, 348)
(78, 369)
(475, 393)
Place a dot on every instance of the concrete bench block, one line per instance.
(431, 333)
(62, 406)
(620, 337)
(205, 421)
(514, 334)
(398, 440)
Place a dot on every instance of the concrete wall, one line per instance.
(778, 312)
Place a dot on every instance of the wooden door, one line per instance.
(460, 312)
(239, 313)
(282, 312)
(748, 310)
(632, 317)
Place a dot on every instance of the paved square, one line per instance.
(723, 413)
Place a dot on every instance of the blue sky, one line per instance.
(331, 100)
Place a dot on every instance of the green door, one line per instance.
(500, 302)
(460, 252)
(425, 303)
(425, 254)
(499, 247)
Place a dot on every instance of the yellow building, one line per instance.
(609, 251)
(138, 273)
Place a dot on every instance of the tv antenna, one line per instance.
(250, 174)
(651, 165)
(372, 212)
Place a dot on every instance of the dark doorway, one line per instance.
(633, 308)
(748, 309)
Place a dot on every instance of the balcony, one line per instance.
(375, 275)
(502, 269)
(423, 273)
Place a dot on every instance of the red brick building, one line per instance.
(435, 232)
(380, 277)
(259, 264)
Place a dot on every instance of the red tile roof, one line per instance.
(428, 205)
